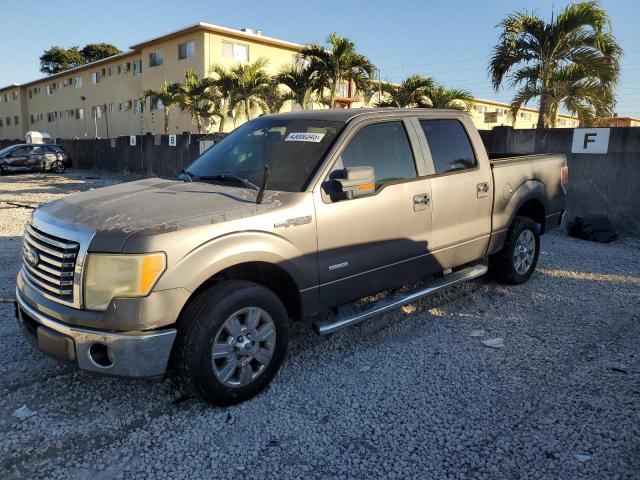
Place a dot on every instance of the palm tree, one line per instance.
(410, 93)
(198, 97)
(439, 96)
(342, 62)
(225, 84)
(274, 98)
(300, 80)
(251, 83)
(166, 93)
(531, 54)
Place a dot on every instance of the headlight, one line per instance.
(109, 276)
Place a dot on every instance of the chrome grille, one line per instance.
(52, 272)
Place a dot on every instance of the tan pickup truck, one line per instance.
(289, 216)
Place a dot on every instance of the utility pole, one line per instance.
(379, 86)
(95, 120)
(84, 113)
(106, 118)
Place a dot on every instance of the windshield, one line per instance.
(293, 150)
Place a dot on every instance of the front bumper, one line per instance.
(130, 354)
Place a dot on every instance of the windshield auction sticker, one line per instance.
(304, 137)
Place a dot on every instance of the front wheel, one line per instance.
(517, 260)
(58, 167)
(231, 341)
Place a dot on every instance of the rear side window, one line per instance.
(449, 144)
(383, 146)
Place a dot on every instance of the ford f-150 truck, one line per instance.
(289, 216)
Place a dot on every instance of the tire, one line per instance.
(58, 167)
(207, 322)
(512, 265)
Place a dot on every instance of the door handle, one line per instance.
(483, 189)
(421, 202)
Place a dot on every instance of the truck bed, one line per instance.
(531, 176)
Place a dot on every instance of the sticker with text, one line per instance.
(304, 137)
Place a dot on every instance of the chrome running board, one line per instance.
(398, 299)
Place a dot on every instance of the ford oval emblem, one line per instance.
(32, 257)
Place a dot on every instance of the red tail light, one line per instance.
(564, 178)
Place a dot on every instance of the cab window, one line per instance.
(449, 145)
(383, 146)
(20, 151)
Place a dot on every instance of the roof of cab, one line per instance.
(347, 114)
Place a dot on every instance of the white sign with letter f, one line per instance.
(590, 140)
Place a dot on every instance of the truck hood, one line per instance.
(119, 211)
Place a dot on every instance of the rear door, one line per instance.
(370, 243)
(36, 156)
(461, 187)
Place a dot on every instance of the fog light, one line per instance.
(100, 355)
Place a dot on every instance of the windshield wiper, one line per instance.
(188, 174)
(228, 176)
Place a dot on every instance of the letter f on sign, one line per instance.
(589, 138)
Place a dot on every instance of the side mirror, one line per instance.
(355, 182)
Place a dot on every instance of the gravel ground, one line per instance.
(411, 394)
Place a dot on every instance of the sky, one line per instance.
(448, 40)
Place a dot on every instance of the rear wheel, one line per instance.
(58, 167)
(517, 260)
(231, 342)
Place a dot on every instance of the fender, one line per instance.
(214, 256)
(504, 210)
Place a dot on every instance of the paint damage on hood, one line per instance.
(154, 204)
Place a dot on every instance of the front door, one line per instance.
(370, 243)
(19, 158)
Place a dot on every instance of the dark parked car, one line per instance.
(29, 157)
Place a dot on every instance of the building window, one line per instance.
(137, 106)
(480, 108)
(30, 93)
(49, 90)
(16, 120)
(1, 122)
(8, 121)
(96, 111)
(186, 50)
(77, 82)
(79, 113)
(137, 67)
(155, 59)
(6, 97)
(235, 51)
(50, 117)
(15, 95)
(122, 68)
(525, 115)
(156, 103)
(342, 89)
(95, 78)
(111, 108)
(32, 119)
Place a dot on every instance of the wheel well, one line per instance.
(534, 209)
(269, 276)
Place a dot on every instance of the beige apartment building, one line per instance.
(103, 98)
